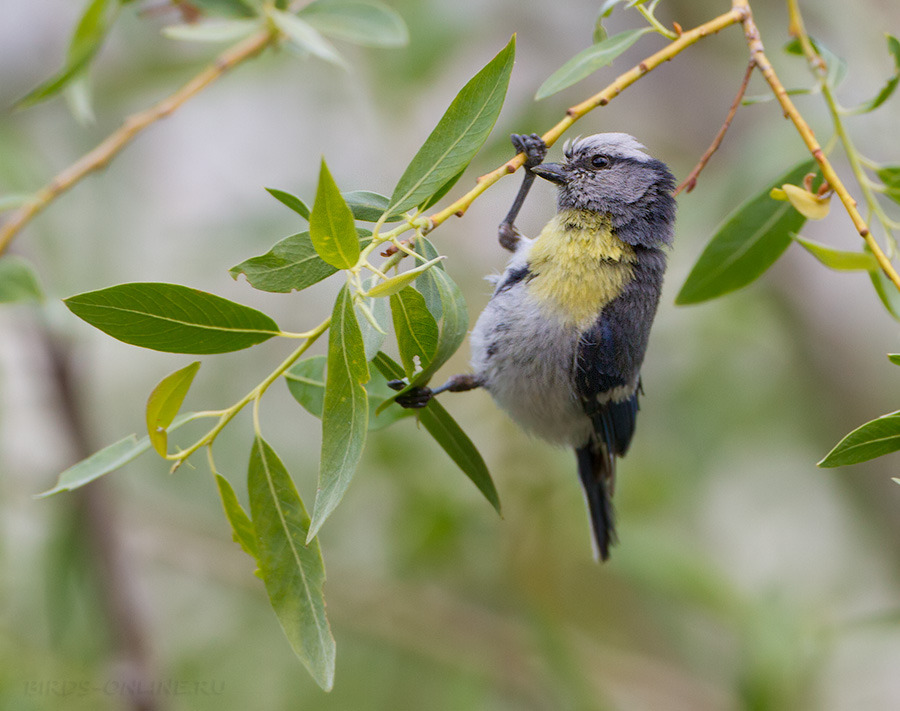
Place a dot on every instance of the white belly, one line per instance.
(526, 363)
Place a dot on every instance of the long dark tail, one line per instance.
(597, 469)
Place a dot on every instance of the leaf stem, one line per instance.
(228, 414)
(754, 43)
(131, 127)
(656, 24)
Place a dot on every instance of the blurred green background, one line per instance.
(746, 578)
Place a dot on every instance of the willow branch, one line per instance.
(132, 126)
(735, 16)
(690, 182)
(757, 53)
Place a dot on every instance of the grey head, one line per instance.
(610, 173)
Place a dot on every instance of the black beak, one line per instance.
(554, 172)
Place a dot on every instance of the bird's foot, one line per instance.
(532, 145)
(416, 398)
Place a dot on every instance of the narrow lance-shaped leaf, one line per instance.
(291, 265)
(459, 135)
(164, 403)
(306, 382)
(888, 89)
(331, 224)
(292, 570)
(452, 331)
(894, 358)
(887, 292)
(106, 460)
(449, 435)
(221, 31)
(398, 282)
(837, 259)
(172, 318)
(85, 43)
(747, 244)
(346, 411)
(373, 323)
(416, 329)
(873, 439)
(242, 529)
(368, 206)
(890, 176)
(589, 60)
(306, 37)
(366, 22)
(291, 201)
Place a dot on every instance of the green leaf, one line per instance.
(18, 282)
(365, 22)
(873, 439)
(836, 68)
(837, 259)
(888, 89)
(172, 318)
(306, 382)
(242, 530)
(85, 43)
(345, 410)
(890, 176)
(291, 265)
(588, 61)
(292, 201)
(228, 8)
(396, 283)
(894, 358)
(453, 326)
(292, 570)
(331, 224)
(368, 206)
(887, 292)
(106, 460)
(426, 284)
(219, 31)
(749, 241)
(306, 37)
(459, 135)
(379, 310)
(164, 403)
(445, 188)
(416, 329)
(449, 435)
(101, 462)
(607, 7)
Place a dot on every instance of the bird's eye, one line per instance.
(600, 161)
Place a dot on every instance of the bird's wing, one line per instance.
(609, 395)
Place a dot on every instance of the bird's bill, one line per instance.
(554, 172)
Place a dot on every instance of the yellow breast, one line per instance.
(578, 266)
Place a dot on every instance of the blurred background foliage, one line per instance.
(745, 578)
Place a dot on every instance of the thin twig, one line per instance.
(132, 126)
(754, 43)
(734, 16)
(690, 182)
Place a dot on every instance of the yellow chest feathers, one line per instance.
(578, 266)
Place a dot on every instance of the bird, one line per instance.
(561, 342)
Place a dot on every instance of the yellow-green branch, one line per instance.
(132, 126)
(734, 16)
(757, 53)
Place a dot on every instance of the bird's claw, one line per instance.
(416, 398)
(532, 145)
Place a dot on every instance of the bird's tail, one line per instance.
(596, 467)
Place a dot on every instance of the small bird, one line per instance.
(560, 344)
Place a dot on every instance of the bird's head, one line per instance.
(610, 173)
